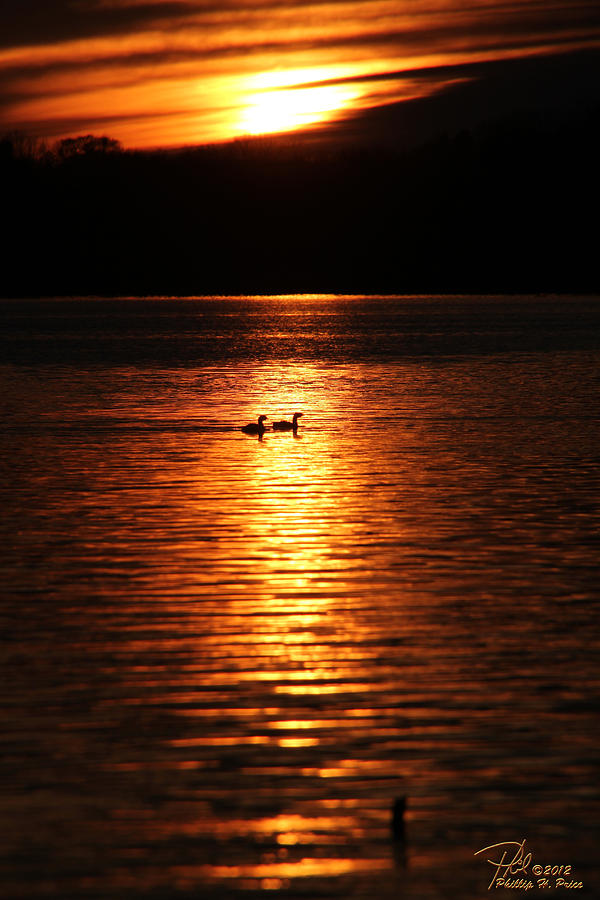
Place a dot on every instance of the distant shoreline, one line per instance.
(504, 210)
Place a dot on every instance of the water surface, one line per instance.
(226, 656)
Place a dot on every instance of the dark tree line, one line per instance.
(509, 207)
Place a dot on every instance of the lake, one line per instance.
(226, 655)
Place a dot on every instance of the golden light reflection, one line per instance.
(242, 740)
(263, 647)
(344, 769)
(293, 743)
(301, 869)
(286, 829)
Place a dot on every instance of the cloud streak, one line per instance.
(167, 73)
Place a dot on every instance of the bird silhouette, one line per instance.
(255, 427)
(287, 426)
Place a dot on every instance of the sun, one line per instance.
(287, 110)
(287, 101)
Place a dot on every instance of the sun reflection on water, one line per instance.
(269, 608)
(247, 650)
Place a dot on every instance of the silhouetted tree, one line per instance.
(86, 145)
(15, 145)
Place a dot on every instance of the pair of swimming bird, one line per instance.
(259, 428)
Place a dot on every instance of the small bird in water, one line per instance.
(287, 426)
(398, 834)
(255, 427)
(397, 824)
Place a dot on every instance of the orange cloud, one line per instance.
(165, 72)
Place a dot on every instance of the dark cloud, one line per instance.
(550, 88)
(31, 22)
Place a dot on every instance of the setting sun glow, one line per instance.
(285, 101)
(167, 74)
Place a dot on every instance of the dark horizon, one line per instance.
(464, 191)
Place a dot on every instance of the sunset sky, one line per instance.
(171, 72)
